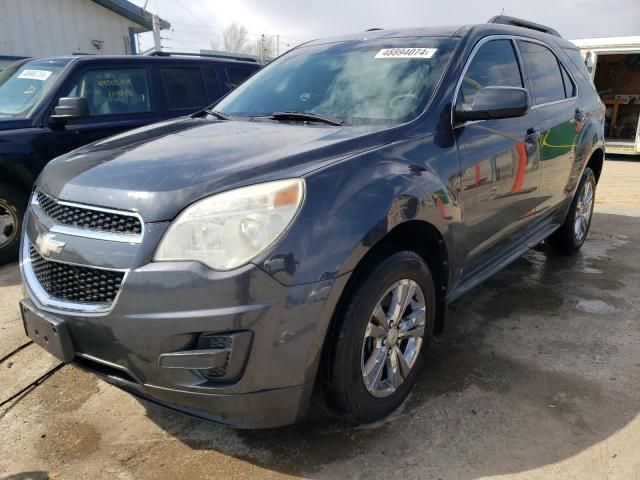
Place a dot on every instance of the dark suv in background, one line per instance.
(49, 106)
(313, 226)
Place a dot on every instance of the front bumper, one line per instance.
(168, 307)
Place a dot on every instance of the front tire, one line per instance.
(382, 334)
(13, 204)
(570, 237)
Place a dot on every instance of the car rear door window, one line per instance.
(237, 75)
(184, 88)
(544, 70)
(113, 91)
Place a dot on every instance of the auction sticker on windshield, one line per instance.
(406, 53)
(35, 74)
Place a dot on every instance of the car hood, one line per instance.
(160, 169)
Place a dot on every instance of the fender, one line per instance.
(394, 191)
(20, 162)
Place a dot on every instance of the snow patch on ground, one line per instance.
(595, 306)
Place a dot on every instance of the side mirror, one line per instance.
(70, 108)
(495, 102)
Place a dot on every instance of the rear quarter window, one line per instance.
(578, 63)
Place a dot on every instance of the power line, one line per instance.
(211, 27)
(205, 33)
(189, 10)
(201, 24)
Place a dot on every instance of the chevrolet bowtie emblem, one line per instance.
(46, 244)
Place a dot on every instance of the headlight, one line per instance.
(228, 230)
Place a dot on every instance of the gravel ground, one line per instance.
(537, 377)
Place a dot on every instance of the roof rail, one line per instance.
(518, 22)
(373, 29)
(230, 56)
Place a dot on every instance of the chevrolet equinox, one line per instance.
(311, 227)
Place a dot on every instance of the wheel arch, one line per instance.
(418, 236)
(596, 162)
(16, 174)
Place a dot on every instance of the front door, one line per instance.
(499, 159)
(119, 99)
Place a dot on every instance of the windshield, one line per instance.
(23, 85)
(383, 81)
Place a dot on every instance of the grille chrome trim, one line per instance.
(46, 302)
(66, 229)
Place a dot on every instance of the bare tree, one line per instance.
(214, 44)
(234, 38)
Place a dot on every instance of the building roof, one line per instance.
(622, 44)
(134, 13)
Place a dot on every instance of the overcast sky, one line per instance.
(195, 22)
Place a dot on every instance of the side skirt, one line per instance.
(538, 234)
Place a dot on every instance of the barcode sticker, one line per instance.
(406, 53)
(35, 74)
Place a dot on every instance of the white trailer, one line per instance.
(614, 64)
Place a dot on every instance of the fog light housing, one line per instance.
(217, 357)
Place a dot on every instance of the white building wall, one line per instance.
(61, 27)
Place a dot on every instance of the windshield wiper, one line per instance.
(218, 115)
(311, 117)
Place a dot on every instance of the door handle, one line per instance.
(579, 115)
(532, 135)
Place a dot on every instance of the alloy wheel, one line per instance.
(393, 338)
(584, 208)
(8, 223)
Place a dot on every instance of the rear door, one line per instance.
(500, 173)
(555, 100)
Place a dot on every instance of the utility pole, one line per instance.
(277, 45)
(157, 46)
(262, 48)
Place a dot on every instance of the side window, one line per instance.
(494, 65)
(569, 86)
(184, 88)
(113, 91)
(213, 87)
(237, 75)
(544, 70)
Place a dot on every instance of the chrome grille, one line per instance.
(88, 218)
(75, 283)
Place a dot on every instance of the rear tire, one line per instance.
(372, 367)
(570, 237)
(13, 204)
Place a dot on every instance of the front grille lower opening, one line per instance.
(104, 370)
(75, 283)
